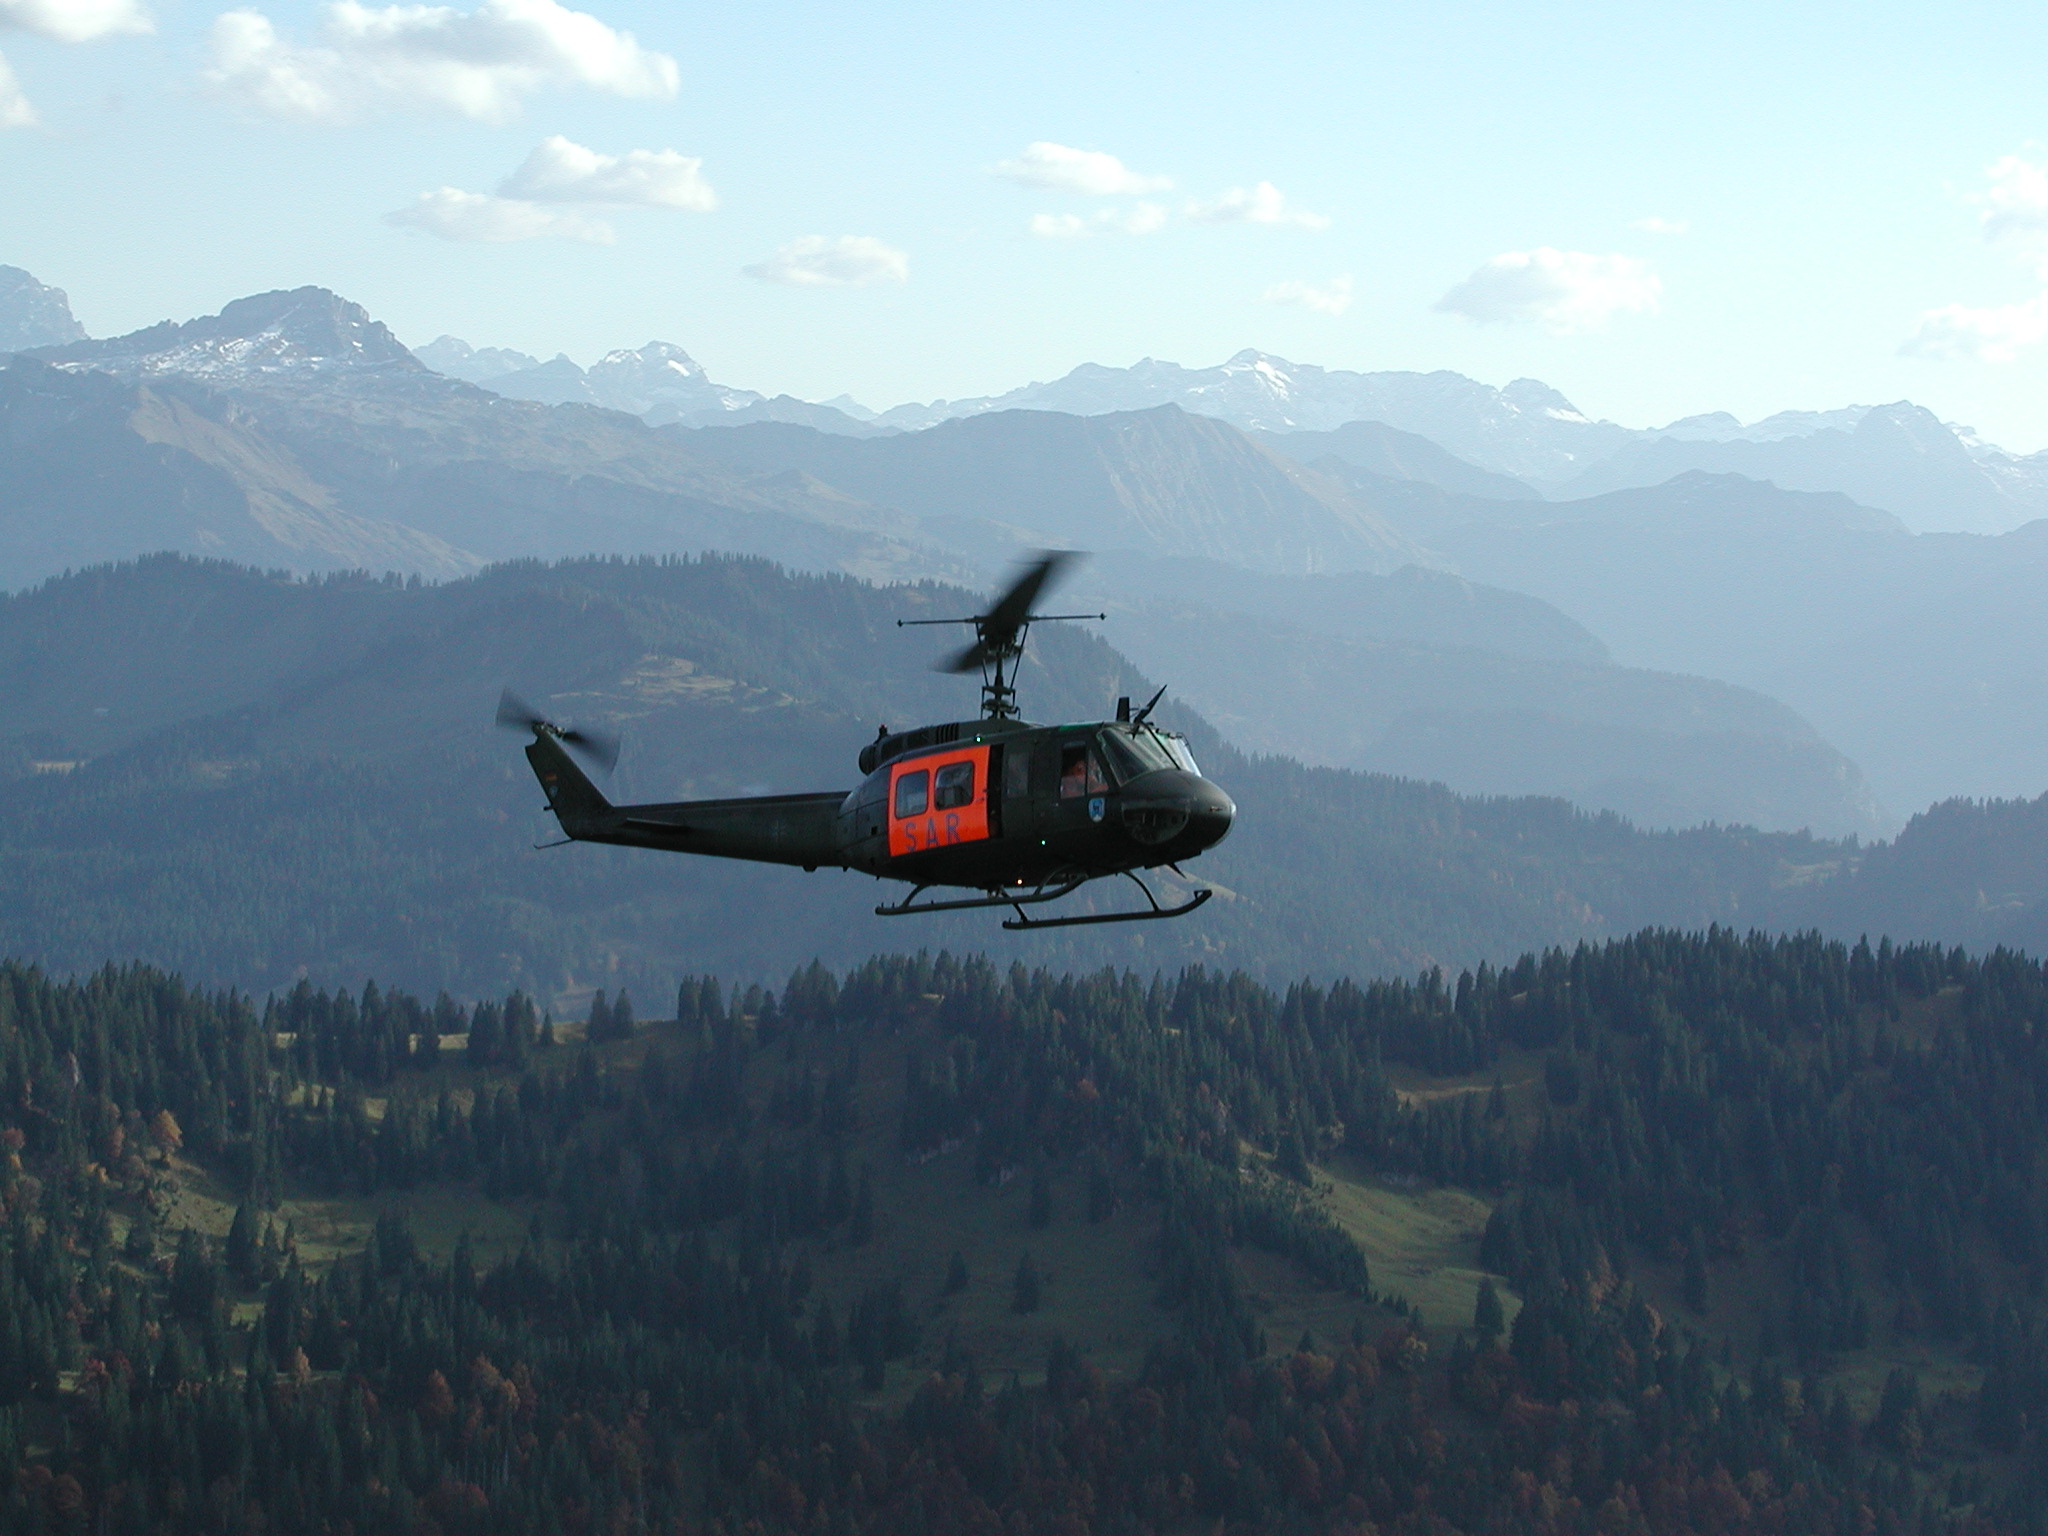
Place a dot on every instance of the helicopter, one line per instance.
(1022, 814)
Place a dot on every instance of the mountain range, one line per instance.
(293, 430)
(1524, 439)
(660, 383)
(1899, 457)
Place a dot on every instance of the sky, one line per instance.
(1658, 210)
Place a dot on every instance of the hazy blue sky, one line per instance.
(1659, 210)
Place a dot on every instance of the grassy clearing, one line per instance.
(438, 1215)
(1099, 1291)
(1287, 1307)
(1422, 1242)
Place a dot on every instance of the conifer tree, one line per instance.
(1488, 1316)
(1026, 1287)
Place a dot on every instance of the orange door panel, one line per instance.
(937, 801)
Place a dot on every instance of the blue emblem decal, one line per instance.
(1095, 808)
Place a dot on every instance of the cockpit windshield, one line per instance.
(1134, 751)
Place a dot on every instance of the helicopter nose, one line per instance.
(1210, 815)
(1183, 809)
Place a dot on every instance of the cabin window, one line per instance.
(911, 792)
(1016, 773)
(954, 787)
(1080, 773)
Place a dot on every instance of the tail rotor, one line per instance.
(595, 746)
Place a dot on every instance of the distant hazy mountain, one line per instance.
(1443, 429)
(659, 382)
(1428, 676)
(1386, 451)
(94, 468)
(456, 358)
(802, 413)
(33, 314)
(1411, 606)
(1898, 457)
(1159, 481)
(293, 430)
(1918, 655)
(1720, 426)
(1527, 429)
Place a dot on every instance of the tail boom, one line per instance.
(772, 829)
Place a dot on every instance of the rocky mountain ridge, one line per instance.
(32, 314)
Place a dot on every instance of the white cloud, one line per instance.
(454, 214)
(1057, 168)
(2015, 215)
(2016, 206)
(62, 21)
(1059, 226)
(1990, 335)
(1331, 298)
(15, 111)
(1566, 290)
(1140, 218)
(1656, 226)
(74, 21)
(815, 261)
(1262, 204)
(561, 171)
(481, 63)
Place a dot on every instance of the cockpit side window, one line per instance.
(1080, 772)
(912, 790)
(1132, 752)
(1073, 771)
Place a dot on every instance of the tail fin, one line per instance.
(571, 795)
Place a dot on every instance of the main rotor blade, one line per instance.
(1014, 606)
(971, 659)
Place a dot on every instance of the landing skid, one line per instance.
(1020, 922)
(910, 906)
(1026, 899)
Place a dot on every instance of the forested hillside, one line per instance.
(1970, 872)
(251, 779)
(938, 1245)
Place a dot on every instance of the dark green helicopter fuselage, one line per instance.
(989, 804)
